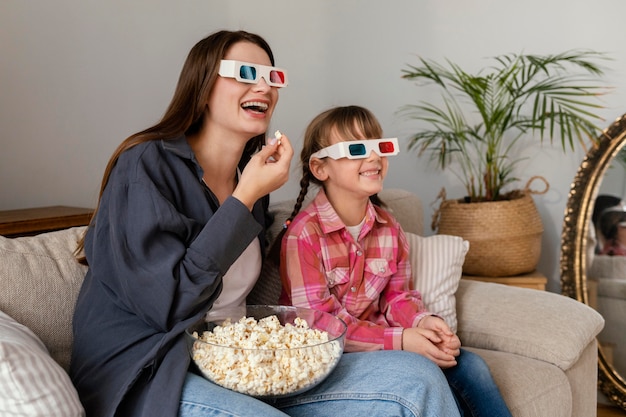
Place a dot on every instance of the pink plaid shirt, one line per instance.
(365, 283)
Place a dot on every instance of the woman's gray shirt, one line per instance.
(157, 250)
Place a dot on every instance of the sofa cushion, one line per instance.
(605, 266)
(437, 266)
(517, 378)
(532, 323)
(33, 384)
(40, 279)
(406, 207)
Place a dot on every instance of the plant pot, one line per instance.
(505, 236)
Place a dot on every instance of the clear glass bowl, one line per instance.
(268, 372)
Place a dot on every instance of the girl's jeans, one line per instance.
(474, 388)
(372, 384)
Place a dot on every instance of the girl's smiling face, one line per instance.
(360, 178)
(245, 109)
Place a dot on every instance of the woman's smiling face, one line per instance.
(241, 107)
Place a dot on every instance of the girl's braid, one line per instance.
(274, 252)
(304, 189)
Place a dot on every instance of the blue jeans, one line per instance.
(373, 384)
(474, 388)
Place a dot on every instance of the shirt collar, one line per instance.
(180, 147)
(330, 220)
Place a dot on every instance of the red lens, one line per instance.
(386, 147)
(277, 77)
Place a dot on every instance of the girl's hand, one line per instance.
(263, 175)
(425, 342)
(449, 342)
(450, 345)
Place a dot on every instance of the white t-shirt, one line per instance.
(355, 231)
(240, 278)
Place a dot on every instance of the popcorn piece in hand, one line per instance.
(277, 136)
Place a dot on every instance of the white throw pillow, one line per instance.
(33, 384)
(437, 266)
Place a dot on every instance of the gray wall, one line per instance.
(78, 76)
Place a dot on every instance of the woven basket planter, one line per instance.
(504, 236)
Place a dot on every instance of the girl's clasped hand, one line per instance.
(434, 339)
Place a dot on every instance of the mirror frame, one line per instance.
(576, 222)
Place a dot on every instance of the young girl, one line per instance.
(346, 255)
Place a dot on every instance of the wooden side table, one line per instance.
(534, 280)
(32, 221)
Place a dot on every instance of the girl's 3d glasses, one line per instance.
(245, 72)
(359, 149)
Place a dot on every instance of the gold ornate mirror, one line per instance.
(582, 277)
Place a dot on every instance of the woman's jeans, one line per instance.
(372, 384)
(474, 387)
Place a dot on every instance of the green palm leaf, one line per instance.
(481, 116)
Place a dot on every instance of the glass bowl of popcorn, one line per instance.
(267, 351)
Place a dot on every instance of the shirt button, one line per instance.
(359, 253)
(382, 270)
(353, 289)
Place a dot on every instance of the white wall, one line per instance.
(78, 76)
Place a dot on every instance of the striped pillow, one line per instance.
(437, 266)
(33, 384)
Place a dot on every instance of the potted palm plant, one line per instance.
(474, 131)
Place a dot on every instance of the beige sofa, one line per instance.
(607, 284)
(540, 346)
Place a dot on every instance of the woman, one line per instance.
(180, 221)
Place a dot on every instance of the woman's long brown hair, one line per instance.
(186, 110)
(349, 122)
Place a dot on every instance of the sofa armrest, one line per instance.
(536, 324)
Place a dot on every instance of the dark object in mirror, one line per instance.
(575, 241)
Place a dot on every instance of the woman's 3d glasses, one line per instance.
(245, 72)
(359, 149)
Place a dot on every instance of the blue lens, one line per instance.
(247, 72)
(356, 149)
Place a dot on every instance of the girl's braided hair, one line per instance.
(350, 123)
